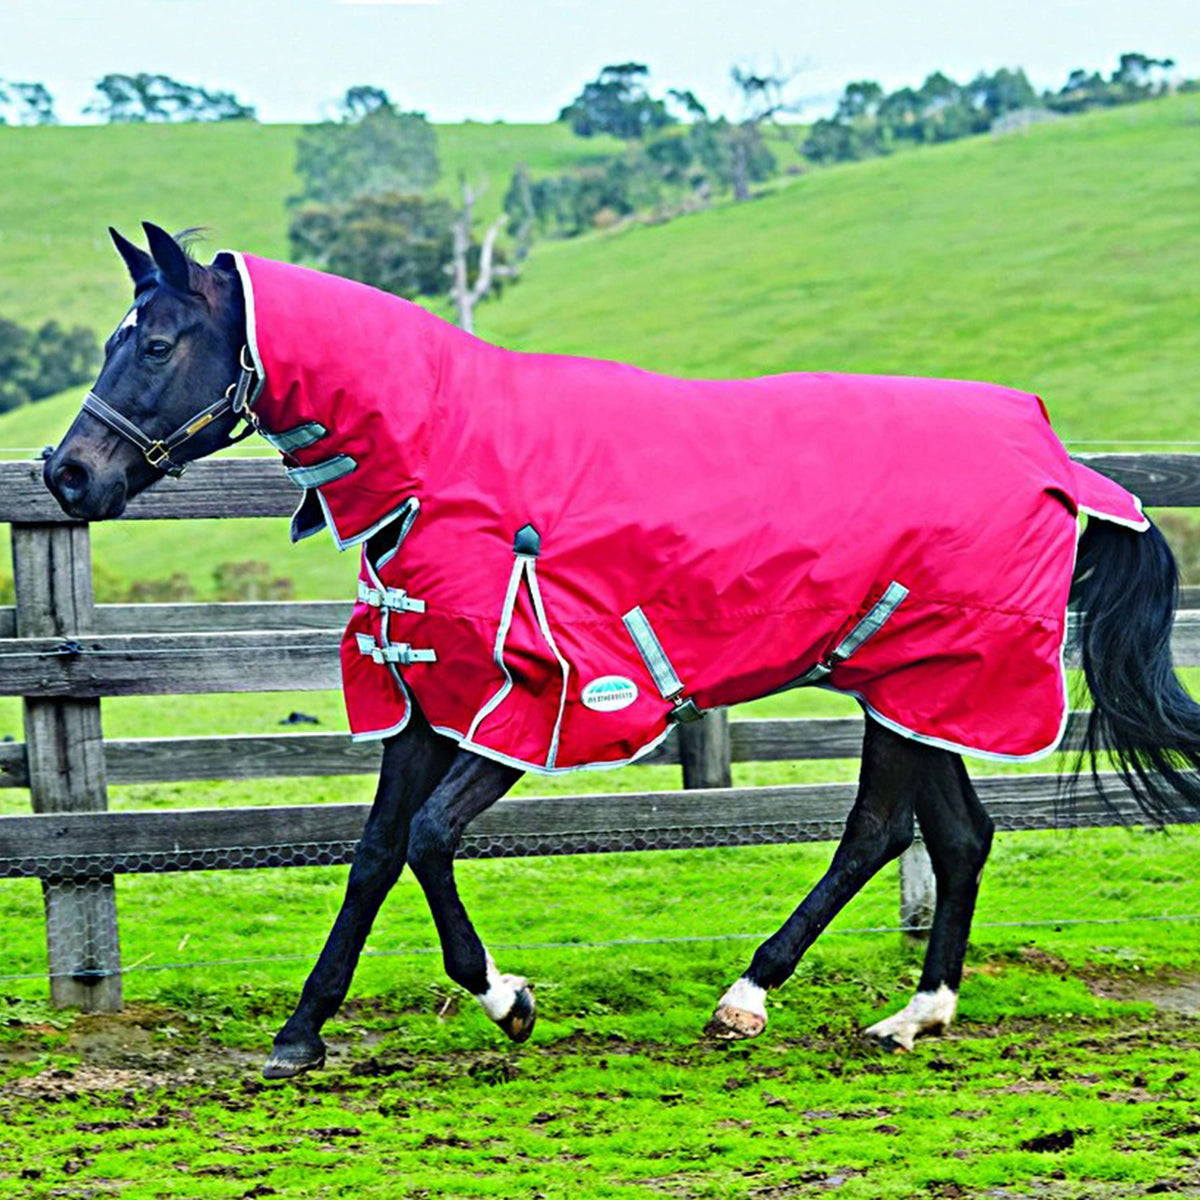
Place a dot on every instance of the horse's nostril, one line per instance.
(72, 480)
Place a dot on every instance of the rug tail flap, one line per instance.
(1099, 496)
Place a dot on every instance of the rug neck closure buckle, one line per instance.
(400, 653)
(392, 599)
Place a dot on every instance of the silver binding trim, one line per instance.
(540, 612)
(323, 472)
(297, 437)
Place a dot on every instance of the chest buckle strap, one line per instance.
(394, 599)
(401, 653)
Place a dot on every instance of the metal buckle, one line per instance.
(158, 455)
(393, 599)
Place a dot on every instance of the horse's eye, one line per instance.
(157, 348)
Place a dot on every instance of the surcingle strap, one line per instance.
(870, 624)
(669, 684)
(393, 599)
(401, 653)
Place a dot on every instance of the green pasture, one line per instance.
(1063, 260)
(1072, 1071)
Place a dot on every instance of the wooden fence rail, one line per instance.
(62, 653)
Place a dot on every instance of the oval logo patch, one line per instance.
(609, 693)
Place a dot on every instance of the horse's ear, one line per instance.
(138, 262)
(169, 257)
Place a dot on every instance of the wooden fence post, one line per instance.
(704, 751)
(52, 570)
(918, 891)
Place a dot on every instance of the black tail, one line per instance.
(1127, 588)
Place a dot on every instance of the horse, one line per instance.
(206, 348)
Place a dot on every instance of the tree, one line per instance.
(35, 365)
(134, 99)
(860, 101)
(1002, 92)
(468, 260)
(15, 364)
(762, 102)
(617, 102)
(382, 152)
(363, 99)
(26, 104)
(400, 243)
(65, 357)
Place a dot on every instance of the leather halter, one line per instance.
(158, 450)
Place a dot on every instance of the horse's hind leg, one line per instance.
(878, 829)
(471, 785)
(958, 835)
(413, 763)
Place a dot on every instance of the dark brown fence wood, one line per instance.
(254, 661)
(224, 487)
(61, 653)
(263, 756)
(52, 572)
(1160, 480)
(704, 751)
(230, 838)
(257, 487)
(158, 664)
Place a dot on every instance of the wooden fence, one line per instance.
(61, 652)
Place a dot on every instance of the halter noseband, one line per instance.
(158, 450)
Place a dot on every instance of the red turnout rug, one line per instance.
(568, 555)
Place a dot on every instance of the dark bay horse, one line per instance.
(174, 387)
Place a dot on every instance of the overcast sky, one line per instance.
(521, 60)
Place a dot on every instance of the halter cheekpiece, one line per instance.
(158, 450)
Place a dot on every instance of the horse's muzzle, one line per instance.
(80, 493)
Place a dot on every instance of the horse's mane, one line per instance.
(189, 237)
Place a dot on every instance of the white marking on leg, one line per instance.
(747, 996)
(926, 1012)
(501, 993)
(740, 1013)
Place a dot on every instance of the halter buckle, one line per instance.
(158, 455)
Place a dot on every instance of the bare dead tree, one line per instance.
(763, 95)
(465, 294)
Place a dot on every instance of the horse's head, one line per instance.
(157, 402)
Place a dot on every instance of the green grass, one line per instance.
(616, 1095)
(64, 186)
(1065, 261)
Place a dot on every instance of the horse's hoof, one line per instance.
(887, 1042)
(733, 1024)
(518, 1023)
(288, 1061)
(892, 1035)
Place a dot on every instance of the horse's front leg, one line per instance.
(471, 785)
(413, 763)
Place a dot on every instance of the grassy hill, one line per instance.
(64, 186)
(1064, 260)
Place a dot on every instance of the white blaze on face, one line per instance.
(128, 321)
